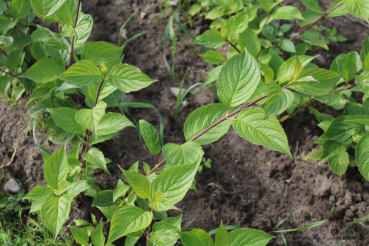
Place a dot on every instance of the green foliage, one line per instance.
(73, 83)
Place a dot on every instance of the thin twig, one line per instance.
(283, 119)
(4, 53)
(16, 25)
(74, 26)
(234, 46)
(88, 133)
(302, 30)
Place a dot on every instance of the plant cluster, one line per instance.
(73, 84)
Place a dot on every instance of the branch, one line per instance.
(213, 125)
(314, 22)
(74, 26)
(234, 46)
(88, 133)
(16, 25)
(286, 117)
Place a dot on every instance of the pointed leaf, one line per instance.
(65, 119)
(128, 78)
(151, 137)
(210, 38)
(43, 71)
(101, 51)
(128, 220)
(250, 237)
(279, 99)
(56, 168)
(327, 81)
(139, 183)
(97, 235)
(238, 79)
(112, 123)
(83, 73)
(362, 156)
(196, 237)
(96, 157)
(55, 212)
(188, 152)
(250, 124)
(174, 182)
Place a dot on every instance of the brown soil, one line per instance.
(247, 185)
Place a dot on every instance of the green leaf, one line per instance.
(83, 73)
(222, 236)
(327, 81)
(65, 119)
(128, 220)
(78, 187)
(365, 48)
(342, 10)
(361, 119)
(238, 79)
(194, 9)
(164, 234)
(313, 5)
(39, 192)
(120, 191)
(45, 8)
(287, 13)
(249, 237)
(112, 123)
(279, 99)
(342, 131)
(139, 183)
(358, 8)
(210, 38)
(96, 157)
(174, 182)
(160, 203)
(344, 65)
(105, 91)
(56, 168)
(90, 118)
(250, 124)
(5, 83)
(309, 17)
(204, 117)
(80, 235)
(151, 137)
(83, 29)
(176, 154)
(196, 237)
(288, 45)
(311, 37)
(248, 40)
(213, 57)
(14, 59)
(212, 76)
(362, 156)
(67, 11)
(104, 199)
(109, 212)
(363, 83)
(43, 71)
(237, 24)
(331, 148)
(6, 24)
(268, 74)
(101, 51)
(20, 8)
(55, 212)
(128, 78)
(97, 235)
(339, 163)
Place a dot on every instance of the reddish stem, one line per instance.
(314, 22)
(74, 26)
